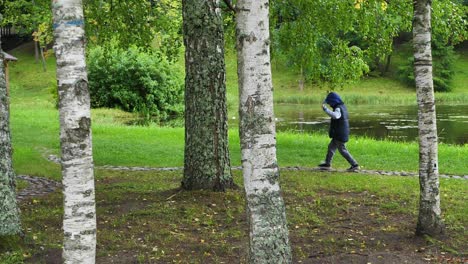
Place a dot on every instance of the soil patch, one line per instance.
(173, 226)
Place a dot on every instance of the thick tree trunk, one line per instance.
(429, 220)
(79, 223)
(9, 213)
(269, 241)
(207, 164)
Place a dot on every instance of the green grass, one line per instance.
(460, 79)
(142, 216)
(35, 130)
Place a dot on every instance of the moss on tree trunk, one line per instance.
(9, 214)
(207, 163)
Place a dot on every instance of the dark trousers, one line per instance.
(336, 144)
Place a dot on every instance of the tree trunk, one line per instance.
(207, 164)
(44, 65)
(301, 80)
(9, 213)
(269, 242)
(79, 223)
(36, 51)
(429, 220)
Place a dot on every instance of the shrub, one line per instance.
(443, 59)
(134, 81)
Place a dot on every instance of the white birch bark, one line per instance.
(429, 220)
(79, 222)
(269, 238)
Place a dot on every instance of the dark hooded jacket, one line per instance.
(339, 128)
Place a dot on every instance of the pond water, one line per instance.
(381, 122)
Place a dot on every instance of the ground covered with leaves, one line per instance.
(333, 218)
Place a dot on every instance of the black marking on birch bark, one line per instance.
(423, 64)
(76, 136)
(89, 215)
(81, 88)
(272, 177)
(251, 38)
(88, 193)
(82, 205)
(75, 246)
(267, 146)
(250, 105)
(88, 232)
(262, 53)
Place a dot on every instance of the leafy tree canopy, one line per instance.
(29, 17)
(143, 23)
(336, 41)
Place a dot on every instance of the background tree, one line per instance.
(206, 162)
(31, 18)
(429, 220)
(79, 222)
(143, 23)
(449, 28)
(9, 213)
(269, 239)
(307, 36)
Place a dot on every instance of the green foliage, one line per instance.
(14, 257)
(317, 37)
(134, 81)
(336, 41)
(146, 24)
(30, 17)
(443, 59)
(449, 22)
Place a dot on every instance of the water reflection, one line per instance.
(381, 122)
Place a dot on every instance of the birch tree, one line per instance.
(79, 223)
(269, 238)
(207, 164)
(429, 220)
(9, 213)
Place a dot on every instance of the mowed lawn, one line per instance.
(144, 218)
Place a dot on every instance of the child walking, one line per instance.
(339, 131)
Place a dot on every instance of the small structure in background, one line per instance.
(7, 58)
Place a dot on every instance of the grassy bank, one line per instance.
(162, 147)
(34, 123)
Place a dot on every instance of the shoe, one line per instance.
(353, 167)
(324, 166)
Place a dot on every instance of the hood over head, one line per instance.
(333, 99)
